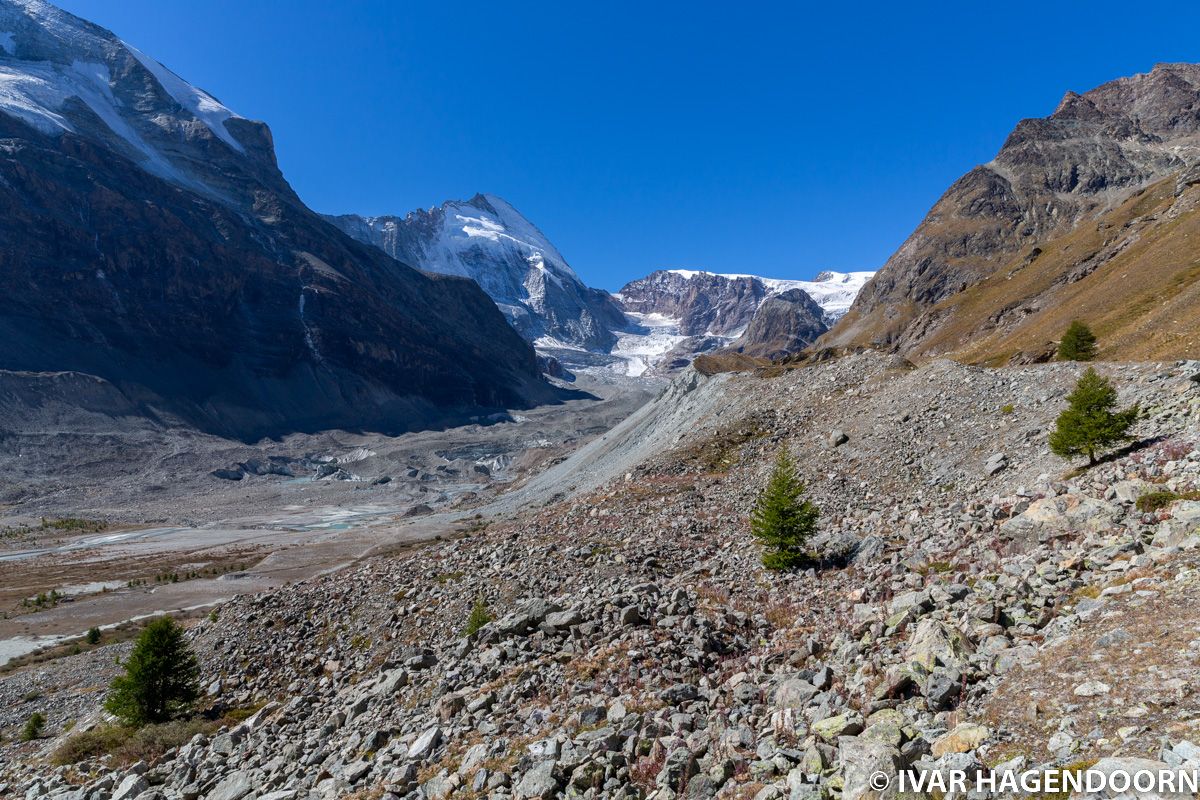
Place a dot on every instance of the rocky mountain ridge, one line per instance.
(784, 323)
(487, 240)
(1084, 213)
(709, 303)
(667, 317)
(685, 313)
(151, 241)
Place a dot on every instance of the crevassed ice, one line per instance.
(33, 95)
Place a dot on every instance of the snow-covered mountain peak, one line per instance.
(491, 218)
(488, 240)
(61, 74)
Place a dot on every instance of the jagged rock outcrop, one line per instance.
(1069, 199)
(487, 240)
(703, 303)
(707, 303)
(149, 239)
(701, 312)
(783, 324)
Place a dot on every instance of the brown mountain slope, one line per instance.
(1133, 274)
(1089, 213)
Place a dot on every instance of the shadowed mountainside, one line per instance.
(147, 237)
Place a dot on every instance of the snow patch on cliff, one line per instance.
(833, 291)
(200, 103)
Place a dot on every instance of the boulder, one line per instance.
(539, 782)
(831, 728)
(1091, 689)
(996, 463)
(526, 618)
(861, 758)
(794, 693)
(132, 786)
(1131, 766)
(232, 787)
(934, 643)
(1183, 523)
(963, 739)
(425, 744)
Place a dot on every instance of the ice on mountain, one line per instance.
(833, 291)
(94, 89)
(30, 96)
(64, 60)
(198, 102)
(640, 351)
(37, 92)
(487, 240)
(466, 224)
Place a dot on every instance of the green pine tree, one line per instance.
(1090, 424)
(33, 727)
(161, 680)
(1078, 343)
(782, 519)
(480, 616)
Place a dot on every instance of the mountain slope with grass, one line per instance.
(1089, 213)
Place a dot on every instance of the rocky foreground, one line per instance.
(973, 603)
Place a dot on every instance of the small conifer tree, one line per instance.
(480, 616)
(93, 636)
(161, 680)
(1090, 423)
(782, 519)
(1078, 343)
(33, 727)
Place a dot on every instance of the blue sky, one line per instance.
(776, 138)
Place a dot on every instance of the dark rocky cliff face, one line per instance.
(785, 323)
(703, 303)
(1052, 176)
(164, 252)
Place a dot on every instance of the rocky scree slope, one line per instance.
(1090, 212)
(151, 241)
(641, 650)
(487, 240)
